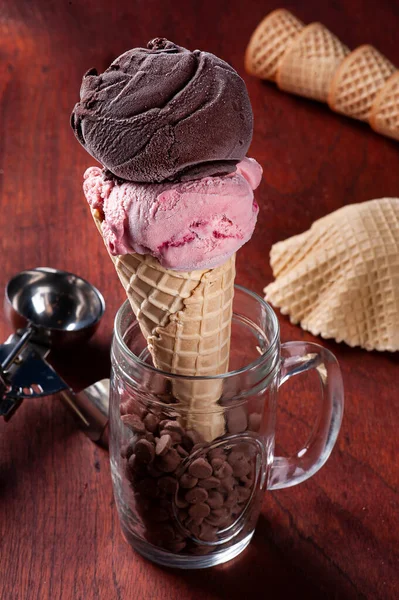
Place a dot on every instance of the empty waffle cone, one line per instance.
(186, 320)
(357, 81)
(340, 279)
(310, 62)
(269, 41)
(384, 114)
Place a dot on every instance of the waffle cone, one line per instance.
(384, 114)
(185, 318)
(340, 279)
(357, 81)
(310, 62)
(269, 41)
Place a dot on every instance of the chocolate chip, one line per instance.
(209, 497)
(231, 499)
(239, 462)
(215, 499)
(181, 502)
(134, 423)
(228, 484)
(237, 420)
(235, 511)
(151, 422)
(174, 436)
(218, 517)
(208, 533)
(173, 426)
(249, 450)
(235, 456)
(241, 468)
(216, 453)
(199, 511)
(247, 480)
(188, 482)
(209, 483)
(221, 468)
(170, 461)
(194, 525)
(144, 451)
(196, 495)
(183, 453)
(167, 484)
(163, 444)
(243, 494)
(200, 468)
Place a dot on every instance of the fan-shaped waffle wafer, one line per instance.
(340, 279)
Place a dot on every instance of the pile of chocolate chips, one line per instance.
(177, 499)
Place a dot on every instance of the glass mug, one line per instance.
(187, 502)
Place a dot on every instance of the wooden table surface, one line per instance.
(335, 536)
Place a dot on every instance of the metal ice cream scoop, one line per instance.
(50, 309)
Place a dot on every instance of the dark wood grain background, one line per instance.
(335, 536)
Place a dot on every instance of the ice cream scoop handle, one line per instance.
(17, 349)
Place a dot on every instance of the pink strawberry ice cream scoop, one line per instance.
(187, 226)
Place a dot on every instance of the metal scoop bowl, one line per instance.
(50, 308)
(57, 307)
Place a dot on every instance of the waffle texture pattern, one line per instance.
(340, 279)
(311, 61)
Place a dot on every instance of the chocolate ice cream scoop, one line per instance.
(164, 113)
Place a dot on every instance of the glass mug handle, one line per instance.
(296, 358)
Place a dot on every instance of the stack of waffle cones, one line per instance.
(311, 61)
(340, 279)
(185, 318)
